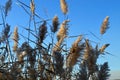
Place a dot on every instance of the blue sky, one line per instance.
(85, 16)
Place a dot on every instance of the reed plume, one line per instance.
(74, 53)
(42, 33)
(90, 57)
(32, 6)
(8, 7)
(55, 24)
(103, 48)
(77, 41)
(64, 6)
(15, 39)
(63, 30)
(105, 25)
(87, 50)
(58, 44)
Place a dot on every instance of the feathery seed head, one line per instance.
(42, 32)
(64, 6)
(58, 44)
(32, 6)
(87, 50)
(105, 25)
(15, 34)
(72, 59)
(77, 41)
(63, 30)
(74, 52)
(55, 24)
(103, 47)
(15, 39)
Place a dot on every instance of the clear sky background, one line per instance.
(85, 16)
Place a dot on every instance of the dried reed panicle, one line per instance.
(42, 32)
(55, 24)
(64, 6)
(15, 39)
(103, 48)
(63, 30)
(32, 6)
(58, 44)
(72, 59)
(8, 7)
(90, 57)
(87, 50)
(105, 25)
(77, 41)
(74, 52)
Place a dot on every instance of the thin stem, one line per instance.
(7, 41)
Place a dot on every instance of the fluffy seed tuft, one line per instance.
(64, 6)
(74, 54)
(103, 48)
(55, 24)
(105, 25)
(15, 39)
(63, 30)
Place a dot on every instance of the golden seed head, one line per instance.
(63, 6)
(32, 6)
(104, 26)
(15, 39)
(55, 24)
(103, 48)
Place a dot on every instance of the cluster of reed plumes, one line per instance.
(38, 58)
